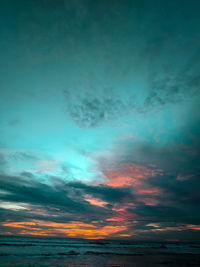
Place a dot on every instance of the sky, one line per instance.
(99, 104)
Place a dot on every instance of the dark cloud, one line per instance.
(2, 162)
(112, 195)
(92, 111)
(62, 202)
(178, 158)
(155, 60)
(166, 190)
(35, 192)
(67, 197)
(88, 113)
(171, 87)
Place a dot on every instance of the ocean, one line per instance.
(40, 251)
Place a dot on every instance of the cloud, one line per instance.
(72, 229)
(127, 174)
(91, 112)
(100, 211)
(112, 63)
(142, 71)
(162, 89)
(68, 198)
(2, 162)
(59, 208)
(164, 180)
(177, 158)
(171, 88)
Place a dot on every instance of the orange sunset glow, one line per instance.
(73, 229)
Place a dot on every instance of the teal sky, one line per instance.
(91, 87)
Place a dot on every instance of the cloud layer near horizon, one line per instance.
(133, 200)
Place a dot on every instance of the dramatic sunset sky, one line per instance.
(99, 119)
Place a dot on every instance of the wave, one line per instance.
(71, 253)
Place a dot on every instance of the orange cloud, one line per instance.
(126, 235)
(120, 207)
(18, 224)
(193, 227)
(72, 229)
(149, 191)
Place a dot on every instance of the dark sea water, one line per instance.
(34, 251)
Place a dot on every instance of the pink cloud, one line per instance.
(149, 201)
(122, 216)
(95, 201)
(128, 174)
